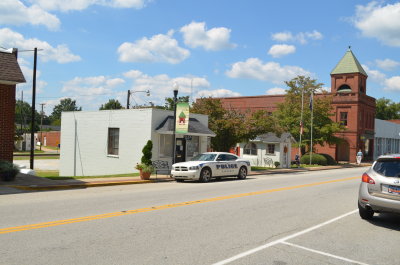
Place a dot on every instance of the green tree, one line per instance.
(387, 109)
(23, 116)
(66, 104)
(147, 153)
(169, 102)
(111, 104)
(289, 112)
(228, 125)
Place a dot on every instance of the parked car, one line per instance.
(206, 166)
(380, 187)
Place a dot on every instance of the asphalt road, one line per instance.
(303, 218)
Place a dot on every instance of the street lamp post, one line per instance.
(176, 87)
(133, 92)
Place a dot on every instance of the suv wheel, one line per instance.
(365, 213)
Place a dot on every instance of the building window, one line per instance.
(192, 146)
(271, 149)
(250, 149)
(165, 145)
(113, 141)
(343, 118)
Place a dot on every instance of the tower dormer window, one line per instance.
(344, 89)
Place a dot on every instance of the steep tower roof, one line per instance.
(348, 64)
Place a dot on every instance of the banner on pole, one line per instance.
(182, 117)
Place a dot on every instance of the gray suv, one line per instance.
(380, 187)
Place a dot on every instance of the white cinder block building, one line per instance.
(387, 138)
(111, 141)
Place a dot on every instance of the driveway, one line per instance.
(41, 164)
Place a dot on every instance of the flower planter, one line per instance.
(144, 175)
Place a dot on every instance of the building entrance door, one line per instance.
(343, 151)
(180, 150)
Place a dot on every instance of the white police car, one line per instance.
(209, 165)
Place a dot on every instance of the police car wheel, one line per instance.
(205, 175)
(242, 173)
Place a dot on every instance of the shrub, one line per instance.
(8, 171)
(316, 159)
(277, 164)
(330, 160)
(147, 154)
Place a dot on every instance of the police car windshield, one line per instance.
(204, 157)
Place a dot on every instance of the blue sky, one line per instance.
(95, 50)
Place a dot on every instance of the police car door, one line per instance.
(232, 164)
(221, 166)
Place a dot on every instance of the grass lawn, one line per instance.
(261, 168)
(36, 157)
(28, 152)
(54, 174)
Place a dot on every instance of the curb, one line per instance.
(83, 186)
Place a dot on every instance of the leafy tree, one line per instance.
(228, 125)
(386, 109)
(169, 102)
(66, 104)
(111, 104)
(23, 116)
(288, 113)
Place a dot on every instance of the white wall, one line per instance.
(86, 154)
(387, 138)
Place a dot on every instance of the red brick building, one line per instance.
(351, 106)
(10, 75)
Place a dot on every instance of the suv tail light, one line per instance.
(367, 179)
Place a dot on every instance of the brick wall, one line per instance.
(52, 138)
(7, 115)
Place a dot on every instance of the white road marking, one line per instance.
(324, 253)
(273, 243)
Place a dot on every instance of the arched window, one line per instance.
(344, 89)
(250, 149)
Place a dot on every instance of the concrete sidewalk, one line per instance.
(25, 182)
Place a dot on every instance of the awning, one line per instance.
(195, 127)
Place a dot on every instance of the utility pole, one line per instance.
(127, 99)
(41, 125)
(33, 108)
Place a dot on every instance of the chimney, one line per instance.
(15, 52)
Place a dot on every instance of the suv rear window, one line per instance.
(388, 167)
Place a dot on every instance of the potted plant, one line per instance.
(145, 167)
(8, 171)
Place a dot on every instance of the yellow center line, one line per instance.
(160, 207)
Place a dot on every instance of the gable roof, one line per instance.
(10, 72)
(348, 64)
(195, 127)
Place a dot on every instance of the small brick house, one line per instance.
(10, 76)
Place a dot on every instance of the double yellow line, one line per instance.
(161, 207)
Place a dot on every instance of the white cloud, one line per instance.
(161, 86)
(69, 5)
(375, 75)
(282, 36)
(95, 85)
(387, 64)
(254, 68)
(280, 50)
(393, 83)
(160, 48)
(14, 12)
(218, 93)
(380, 22)
(60, 54)
(302, 37)
(27, 71)
(196, 35)
(276, 91)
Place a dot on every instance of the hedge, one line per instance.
(316, 159)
